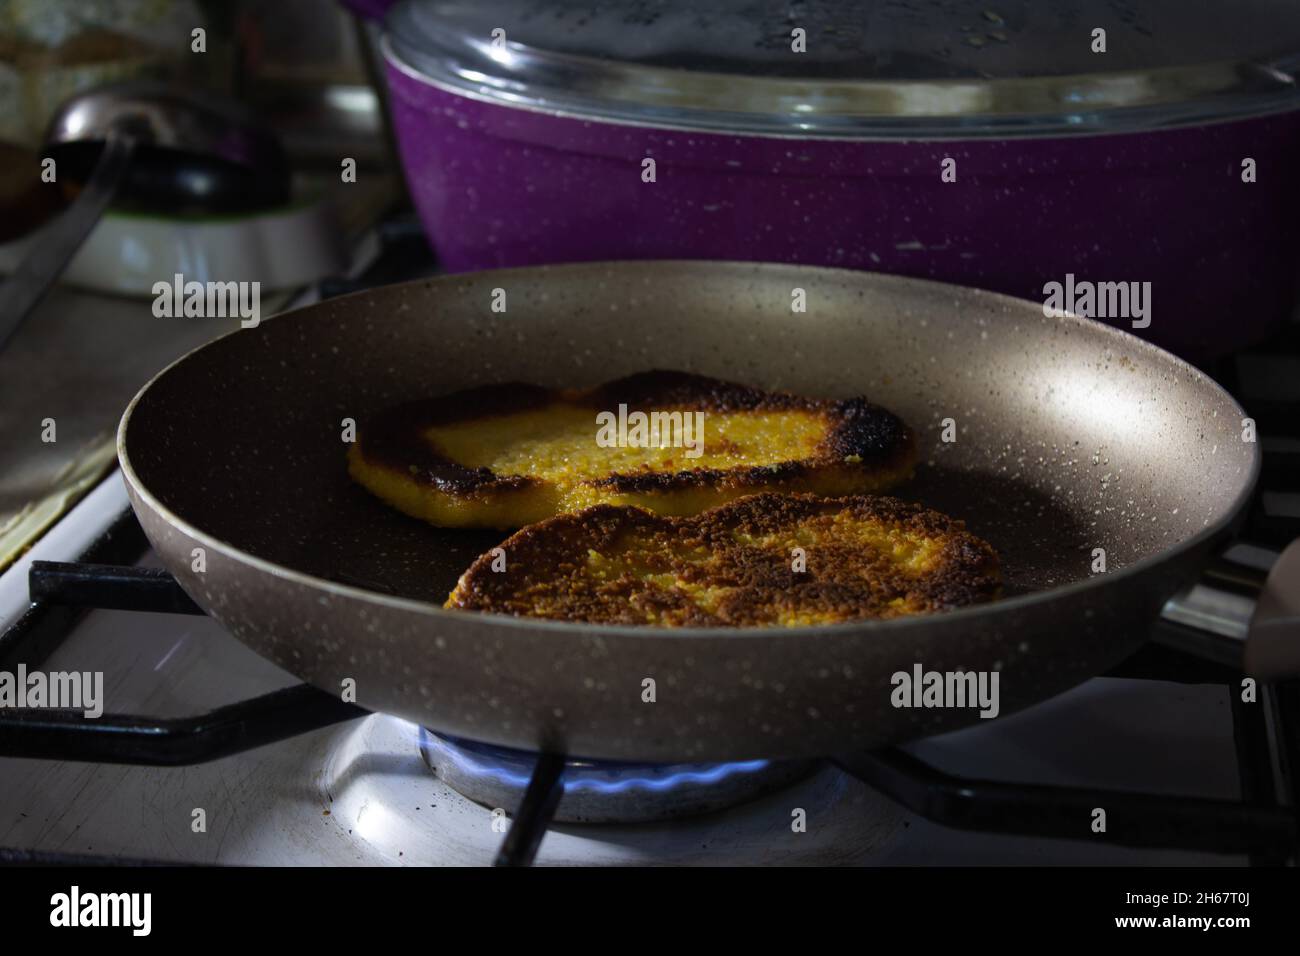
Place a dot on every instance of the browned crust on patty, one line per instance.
(546, 573)
(876, 437)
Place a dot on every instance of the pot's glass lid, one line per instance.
(898, 68)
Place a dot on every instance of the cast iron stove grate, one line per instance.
(1262, 824)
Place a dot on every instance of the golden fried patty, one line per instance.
(736, 565)
(504, 456)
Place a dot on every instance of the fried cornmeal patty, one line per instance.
(504, 456)
(736, 565)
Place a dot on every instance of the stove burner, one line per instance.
(604, 791)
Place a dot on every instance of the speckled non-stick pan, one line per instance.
(1070, 437)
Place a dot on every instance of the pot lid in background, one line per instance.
(901, 69)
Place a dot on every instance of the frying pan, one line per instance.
(1070, 437)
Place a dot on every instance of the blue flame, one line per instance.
(688, 774)
(709, 774)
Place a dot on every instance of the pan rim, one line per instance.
(827, 631)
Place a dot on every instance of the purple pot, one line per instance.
(500, 185)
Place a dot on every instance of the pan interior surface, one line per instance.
(1054, 439)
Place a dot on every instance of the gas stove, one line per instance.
(211, 754)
